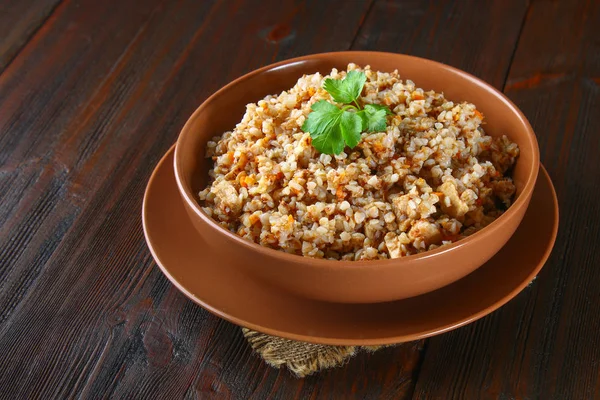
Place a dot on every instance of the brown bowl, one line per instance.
(354, 281)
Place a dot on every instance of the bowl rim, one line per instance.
(522, 199)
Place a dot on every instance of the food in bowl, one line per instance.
(426, 176)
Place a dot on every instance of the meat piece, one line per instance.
(227, 197)
(413, 205)
(451, 202)
(394, 244)
(425, 231)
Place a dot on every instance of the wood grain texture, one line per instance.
(19, 21)
(90, 101)
(88, 108)
(475, 36)
(442, 31)
(544, 344)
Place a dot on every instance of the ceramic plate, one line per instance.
(199, 272)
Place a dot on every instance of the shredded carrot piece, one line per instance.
(242, 179)
(339, 193)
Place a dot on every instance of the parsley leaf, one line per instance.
(332, 128)
(373, 117)
(351, 127)
(348, 89)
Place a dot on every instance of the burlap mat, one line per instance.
(299, 357)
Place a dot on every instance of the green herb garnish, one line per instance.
(332, 128)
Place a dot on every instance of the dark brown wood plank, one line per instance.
(475, 36)
(84, 120)
(19, 20)
(443, 31)
(545, 343)
(88, 108)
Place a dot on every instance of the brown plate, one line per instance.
(199, 272)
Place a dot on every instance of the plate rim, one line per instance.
(340, 341)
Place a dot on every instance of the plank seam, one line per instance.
(417, 371)
(517, 42)
(361, 24)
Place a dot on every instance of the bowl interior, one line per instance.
(223, 110)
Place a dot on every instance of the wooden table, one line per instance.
(92, 93)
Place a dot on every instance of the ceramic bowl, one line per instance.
(354, 281)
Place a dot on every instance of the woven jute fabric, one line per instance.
(300, 358)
